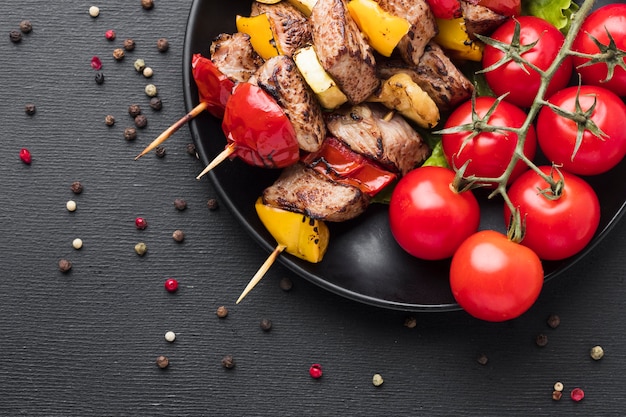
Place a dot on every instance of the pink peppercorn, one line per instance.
(110, 34)
(171, 285)
(96, 63)
(25, 156)
(577, 394)
(315, 371)
(141, 223)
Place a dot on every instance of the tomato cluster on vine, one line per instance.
(550, 212)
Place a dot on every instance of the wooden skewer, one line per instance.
(173, 128)
(262, 271)
(228, 150)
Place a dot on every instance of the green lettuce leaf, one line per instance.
(557, 12)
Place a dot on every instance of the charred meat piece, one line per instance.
(436, 74)
(394, 143)
(234, 56)
(280, 78)
(423, 26)
(302, 190)
(290, 27)
(479, 19)
(342, 50)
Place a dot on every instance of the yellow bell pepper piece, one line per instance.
(328, 93)
(382, 29)
(305, 6)
(454, 39)
(300, 235)
(260, 32)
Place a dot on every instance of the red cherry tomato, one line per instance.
(557, 135)
(489, 152)
(560, 228)
(493, 278)
(214, 88)
(611, 18)
(258, 128)
(428, 218)
(522, 82)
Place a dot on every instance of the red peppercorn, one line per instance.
(315, 371)
(25, 156)
(577, 394)
(171, 284)
(110, 34)
(141, 223)
(96, 63)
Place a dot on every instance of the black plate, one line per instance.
(363, 261)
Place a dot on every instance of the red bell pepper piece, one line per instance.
(214, 88)
(503, 7)
(445, 9)
(257, 129)
(342, 165)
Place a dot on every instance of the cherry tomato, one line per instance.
(445, 9)
(489, 152)
(557, 135)
(493, 278)
(521, 81)
(428, 218)
(214, 88)
(560, 228)
(611, 17)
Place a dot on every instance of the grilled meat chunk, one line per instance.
(342, 50)
(280, 78)
(302, 190)
(479, 19)
(394, 143)
(423, 26)
(234, 56)
(290, 27)
(436, 74)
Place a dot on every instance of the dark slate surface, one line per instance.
(85, 343)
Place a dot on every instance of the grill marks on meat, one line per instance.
(394, 143)
(423, 26)
(234, 56)
(302, 190)
(479, 19)
(280, 78)
(290, 27)
(342, 50)
(435, 74)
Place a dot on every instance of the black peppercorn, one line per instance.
(26, 26)
(482, 359)
(30, 109)
(180, 204)
(178, 235)
(76, 187)
(118, 54)
(162, 362)
(221, 312)
(266, 325)
(129, 44)
(65, 265)
(15, 36)
(410, 322)
(286, 284)
(191, 149)
(159, 151)
(156, 103)
(228, 362)
(109, 120)
(99, 78)
(541, 340)
(147, 4)
(141, 121)
(163, 45)
(134, 110)
(553, 321)
(130, 133)
(212, 204)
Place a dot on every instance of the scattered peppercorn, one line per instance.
(141, 121)
(553, 321)
(26, 26)
(266, 325)
(577, 394)
(141, 223)
(377, 380)
(556, 395)
(94, 11)
(159, 151)
(65, 265)
(170, 336)
(30, 109)
(129, 44)
(558, 386)
(162, 362)
(410, 322)
(178, 235)
(141, 248)
(228, 362)
(315, 371)
(70, 205)
(130, 133)
(96, 63)
(147, 4)
(134, 110)
(118, 54)
(99, 78)
(221, 312)
(76, 187)
(147, 72)
(15, 36)
(212, 204)
(156, 103)
(180, 204)
(77, 243)
(25, 156)
(171, 285)
(541, 340)
(482, 359)
(151, 90)
(285, 284)
(596, 353)
(109, 120)
(163, 45)
(191, 149)
(110, 34)
(139, 65)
